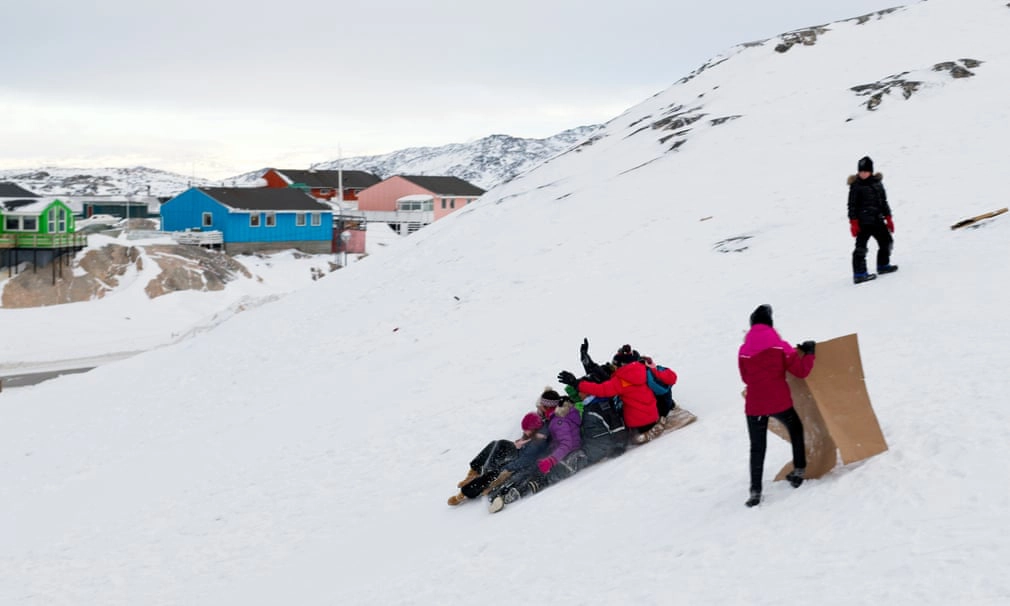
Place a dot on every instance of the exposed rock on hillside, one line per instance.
(101, 270)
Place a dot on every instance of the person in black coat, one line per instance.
(869, 216)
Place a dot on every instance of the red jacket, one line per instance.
(764, 359)
(630, 383)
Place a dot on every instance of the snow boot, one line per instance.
(501, 479)
(512, 495)
(863, 277)
(456, 499)
(647, 436)
(887, 269)
(795, 477)
(473, 473)
(496, 505)
(755, 498)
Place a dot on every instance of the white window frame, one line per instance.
(317, 219)
(12, 223)
(254, 219)
(299, 219)
(51, 215)
(62, 220)
(270, 219)
(207, 220)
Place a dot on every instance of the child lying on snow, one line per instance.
(565, 458)
(502, 457)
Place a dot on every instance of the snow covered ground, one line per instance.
(126, 321)
(302, 452)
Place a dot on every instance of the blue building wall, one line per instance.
(186, 210)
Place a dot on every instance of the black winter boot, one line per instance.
(795, 477)
(755, 498)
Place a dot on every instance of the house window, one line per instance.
(62, 221)
(317, 219)
(254, 220)
(52, 220)
(208, 220)
(299, 219)
(12, 223)
(452, 202)
(408, 205)
(271, 220)
(443, 202)
(30, 224)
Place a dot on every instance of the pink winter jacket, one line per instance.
(764, 359)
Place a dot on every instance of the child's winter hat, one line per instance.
(761, 315)
(532, 422)
(625, 355)
(550, 398)
(866, 164)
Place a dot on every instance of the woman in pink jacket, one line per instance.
(764, 360)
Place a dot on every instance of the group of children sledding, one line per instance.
(627, 400)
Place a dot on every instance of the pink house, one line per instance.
(440, 195)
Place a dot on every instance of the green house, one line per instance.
(37, 225)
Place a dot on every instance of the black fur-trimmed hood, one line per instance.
(875, 177)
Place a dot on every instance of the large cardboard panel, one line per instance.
(835, 409)
(839, 388)
(822, 454)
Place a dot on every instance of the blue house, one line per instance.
(253, 219)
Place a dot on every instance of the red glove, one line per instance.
(545, 465)
(890, 224)
(854, 227)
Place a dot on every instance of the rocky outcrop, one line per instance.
(102, 270)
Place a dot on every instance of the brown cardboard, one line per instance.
(835, 409)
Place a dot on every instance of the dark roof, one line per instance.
(12, 190)
(16, 204)
(352, 179)
(265, 198)
(446, 186)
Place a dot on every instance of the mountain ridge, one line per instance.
(486, 162)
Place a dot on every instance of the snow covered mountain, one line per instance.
(486, 162)
(137, 180)
(302, 452)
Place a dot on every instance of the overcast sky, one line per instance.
(221, 87)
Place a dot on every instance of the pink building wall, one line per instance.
(383, 196)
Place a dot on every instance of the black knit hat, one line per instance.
(761, 315)
(625, 355)
(866, 164)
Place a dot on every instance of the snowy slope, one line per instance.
(301, 454)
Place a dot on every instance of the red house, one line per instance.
(322, 184)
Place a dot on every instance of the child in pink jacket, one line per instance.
(764, 360)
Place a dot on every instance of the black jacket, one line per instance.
(868, 200)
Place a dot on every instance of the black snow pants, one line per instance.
(489, 463)
(757, 427)
(884, 244)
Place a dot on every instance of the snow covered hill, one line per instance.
(486, 162)
(52, 181)
(302, 452)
